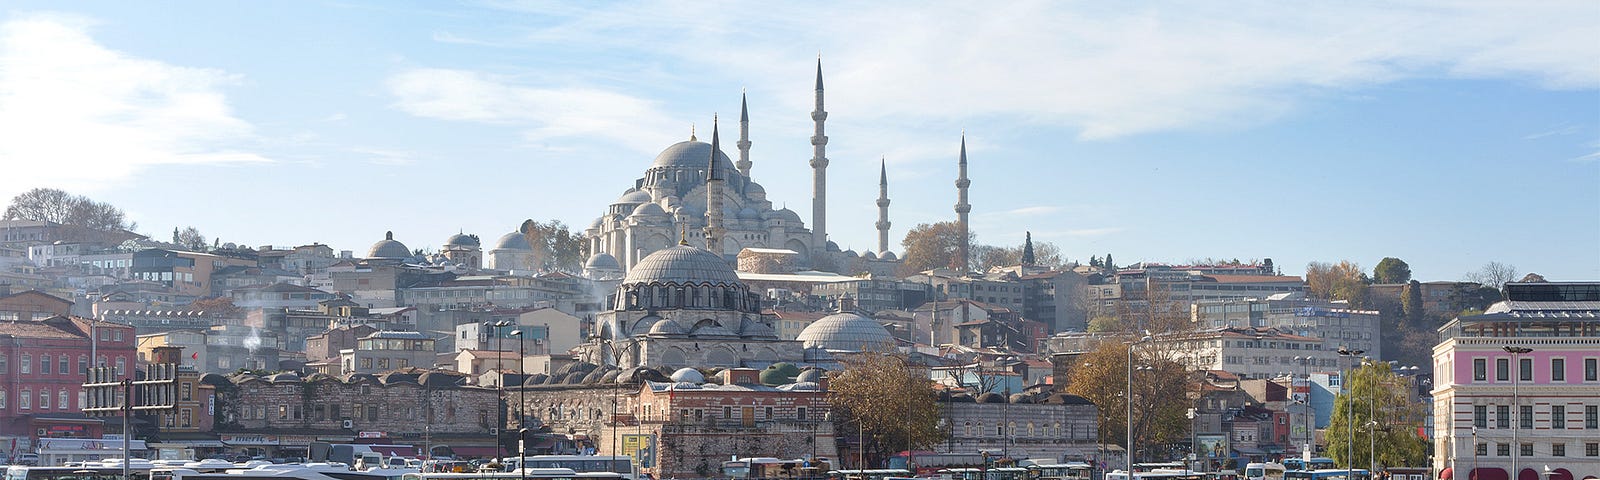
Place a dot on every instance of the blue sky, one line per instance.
(1448, 134)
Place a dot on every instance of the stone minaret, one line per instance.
(962, 208)
(883, 207)
(819, 174)
(714, 196)
(744, 137)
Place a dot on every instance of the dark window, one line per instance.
(1480, 416)
(1502, 369)
(1525, 420)
(1525, 369)
(1502, 416)
(1558, 449)
(1558, 416)
(1558, 369)
(1503, 449)
(1591, 369)
(1591, 449)
(1483, 449)
(1527, 449)
(1591, 416)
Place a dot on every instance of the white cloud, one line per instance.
(77, 115)
(545, 113)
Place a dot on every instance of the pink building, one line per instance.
(42, 365)
(1517, 389)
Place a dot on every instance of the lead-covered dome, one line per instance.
(513, 241)
(461, 240)
(690, 154)
(683, 265)
(388, 248)
(846, 332)
(602, 261)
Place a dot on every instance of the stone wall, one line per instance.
(323, 405)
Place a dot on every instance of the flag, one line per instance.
(195, 355)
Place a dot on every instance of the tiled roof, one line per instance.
(1255, 278)
(34, 330)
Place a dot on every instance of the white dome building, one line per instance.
(846, 332)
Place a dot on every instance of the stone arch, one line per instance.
(798, 247)
(673, 357)
(730, 246)
(721, 356)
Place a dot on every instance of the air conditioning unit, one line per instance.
(349, 424)
(494, 431)
(42, 432)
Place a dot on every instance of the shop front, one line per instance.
(59, 451)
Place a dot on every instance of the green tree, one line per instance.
(895, 407)
(1391, 270)
(554, 246)
(1411, 303)
(933, 245)
(189, 238)
(1376, 414)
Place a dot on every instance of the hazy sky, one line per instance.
(1448, 134)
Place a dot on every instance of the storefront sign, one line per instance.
(64, 429)
(249, 439)
(372, 435)
(296, 439)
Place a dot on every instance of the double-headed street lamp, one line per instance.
(1516, 405)
(522, 430)
(1311, 411)
(499, 365)
(1349, 411)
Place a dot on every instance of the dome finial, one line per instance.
(389, 235)
(683, 235)
(691, 132)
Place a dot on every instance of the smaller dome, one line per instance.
(801, 387)
(602, 261)
(648, 210)
(849, 253)
(754, 328)
(810, 375)
(786, 215)
(756, 191)
(438, 380)
(285, 377)
(461, 240)
(1020, 398)
(535, 379)
(869, 255)
(597, 223)
(846, 332)
(513, 241)
(887, 255)
(356, 377)
(685, 386)
(688, 375)
(666, 328)
(831, 246)
(633, 197)
(991, 397)
(779, 374)
(748, 213)
(214, 379)
(388, 248)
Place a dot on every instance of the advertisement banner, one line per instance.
(641, 448)
(1212, 445)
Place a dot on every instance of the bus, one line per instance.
(774, 468)
(871, 474)
(82, 472)
(1318, 463)
(1263, 471)
(1060, 471)
(1154, 466)
(997, 473)
(530, 473)
(926, 462)
(1159, 474)
(618, 464)
(1328, 474)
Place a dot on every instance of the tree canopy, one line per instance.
(1378, 411)
(1337, 281)
(58, 206)
(554, 246)
(1160, 400)
(1391, 270)
(895, 408)
(933, 245)
(1493, 274)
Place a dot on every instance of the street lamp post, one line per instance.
(1349, 410)
(1129, 420)
(861, 444)
(522, 430)
(1516, 406)
(500, 384)
(1311, 411)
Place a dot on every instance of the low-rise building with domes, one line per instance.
(465, 250)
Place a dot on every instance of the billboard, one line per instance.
(1212, 445)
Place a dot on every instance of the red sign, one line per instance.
(372, 435)
(65, 428)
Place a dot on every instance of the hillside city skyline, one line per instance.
(1139, 134)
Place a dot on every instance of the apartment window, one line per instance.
(1527, 450)
(768, 414)
(1502, 416)
(283, 412)
(1558, 416)
(44, 364)
(1591, 369)
(186, 417)
(188, 392)
(26, 365)
(1558, 369)
(1591, 449)
(3, 368)
(61, 400)
(298, 412)
(799, 412)
(727, 412)
(1558, 449)
(1483, 449)
(1502, 449)
(63, 364)
(83, 364)
(1480, 416)
(1525, 369)
(1525, 419)
(44, 399)
(121, 364)
(1502, 369)
(1591, 416)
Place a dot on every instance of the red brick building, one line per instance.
(42, 365)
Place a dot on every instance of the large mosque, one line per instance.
(712, 201)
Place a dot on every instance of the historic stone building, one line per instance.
(693, 189)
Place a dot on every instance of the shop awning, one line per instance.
(1447, 473)
(1488, 474)
(194, 443)
(1528, 474)
(1560, 474)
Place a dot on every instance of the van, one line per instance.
(366, 460)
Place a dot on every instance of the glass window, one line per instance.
(61, 400)
(1558, 449)
(1483, 449)
(1480, 416)
(1591, 369)
(1558, 416)
(1502, 369)
(1525, 420)
(1527, 449)
(1558, 369)
(1525, 369)
(26, 366)
(44, 364)
(1591, 416)
(1502, 416)
(44, 399)
(25, 401)
(63, 365)
(1502, 449)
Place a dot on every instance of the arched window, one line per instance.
(83, 364)
(44, 399)
(25, 401)
(61, 400)
(968, 426)
(63, 364)
(26, 365)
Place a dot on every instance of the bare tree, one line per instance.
(1493, 274)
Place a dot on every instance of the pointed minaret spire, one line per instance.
(883, 207)
(819, 174)
(744, 136)
(1027, 249)
(963, 208)
(713, 229)
(691, 132)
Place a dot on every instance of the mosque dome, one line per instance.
(598, 222)
(849, 252)
(845, 331)
(461, 240)
(691, 154)
(633, 197)
(513, 241)
(887, 255)
(787, 215)
(809, 375)
(648, 210)
(688, 375)
(748, 213)
(869, 255)
(602, 261)
(755, 191)
(684, 265)
(666, 327)
(389, 248)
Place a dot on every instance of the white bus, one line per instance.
(531, 473)
(1263, 471)
(618, 464)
